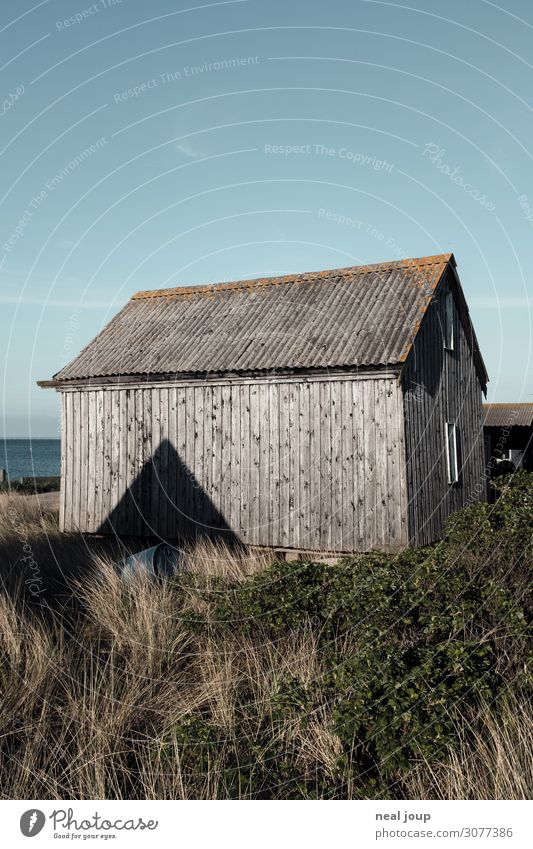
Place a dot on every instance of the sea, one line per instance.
(24, 458)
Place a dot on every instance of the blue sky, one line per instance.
(155, 144)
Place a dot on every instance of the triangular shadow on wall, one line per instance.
(167, 501)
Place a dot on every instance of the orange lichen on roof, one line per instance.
(314, 320)
(356, 270)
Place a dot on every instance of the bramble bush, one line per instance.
(407, 643)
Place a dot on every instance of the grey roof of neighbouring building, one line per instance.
(508, 415)
(365, 316)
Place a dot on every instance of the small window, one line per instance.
(448, 322)
(452, 456)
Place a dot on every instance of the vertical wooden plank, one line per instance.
(216, 442)
(134, 402)
(122, 461)
(66, 452)
(164, 411)
(69, 475)
(336, 479)
(418, 443)
(421, 412)
(76, 459)
(143, 467)
(359, 460)
(433, 460)
(188, 462)
(203, 447)
(434, 407)
(77, 423)
(172, 447)
(401, 470)
(98, 458)
(63, 472)
(147, 463)
(255, 436)
(99, 512)
(235, 472)
(227, 458)
(164, 415)
(206, 463)
(382, 528)
(326, 471)
(347, 466)
(129, 508)
(370, 460)
(315, 464)
(84, 449)
(285, 454)
(64, 469)
(114, 396)
(304, 465)
(428, 459)
(153, 501)
(294, 464)
(392, 506)
(181, 465)
(274, 438)
(264, 534)
(99, 461)
(189, 479)
(107, 465)
(245, 462)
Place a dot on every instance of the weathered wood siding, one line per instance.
(441, 386)
(313, 464)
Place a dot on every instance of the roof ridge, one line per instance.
(307, 276)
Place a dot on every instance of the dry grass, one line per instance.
(32, 547)
(90, 713)
(23, 512)
(93, 693)
(493, 759)
(211, 560)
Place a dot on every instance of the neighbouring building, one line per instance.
(331, 411)
(508, 435)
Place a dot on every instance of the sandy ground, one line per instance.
(47, 500)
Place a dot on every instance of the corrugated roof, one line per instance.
(508, 415)
(347, 317)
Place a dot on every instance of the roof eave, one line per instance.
(123, 380)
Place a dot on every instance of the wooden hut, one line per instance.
(332, 411)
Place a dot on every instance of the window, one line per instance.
(448, 322)
(452, 457)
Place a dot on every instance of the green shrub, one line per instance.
(281, 598)
(430, 632)
(512, 516)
